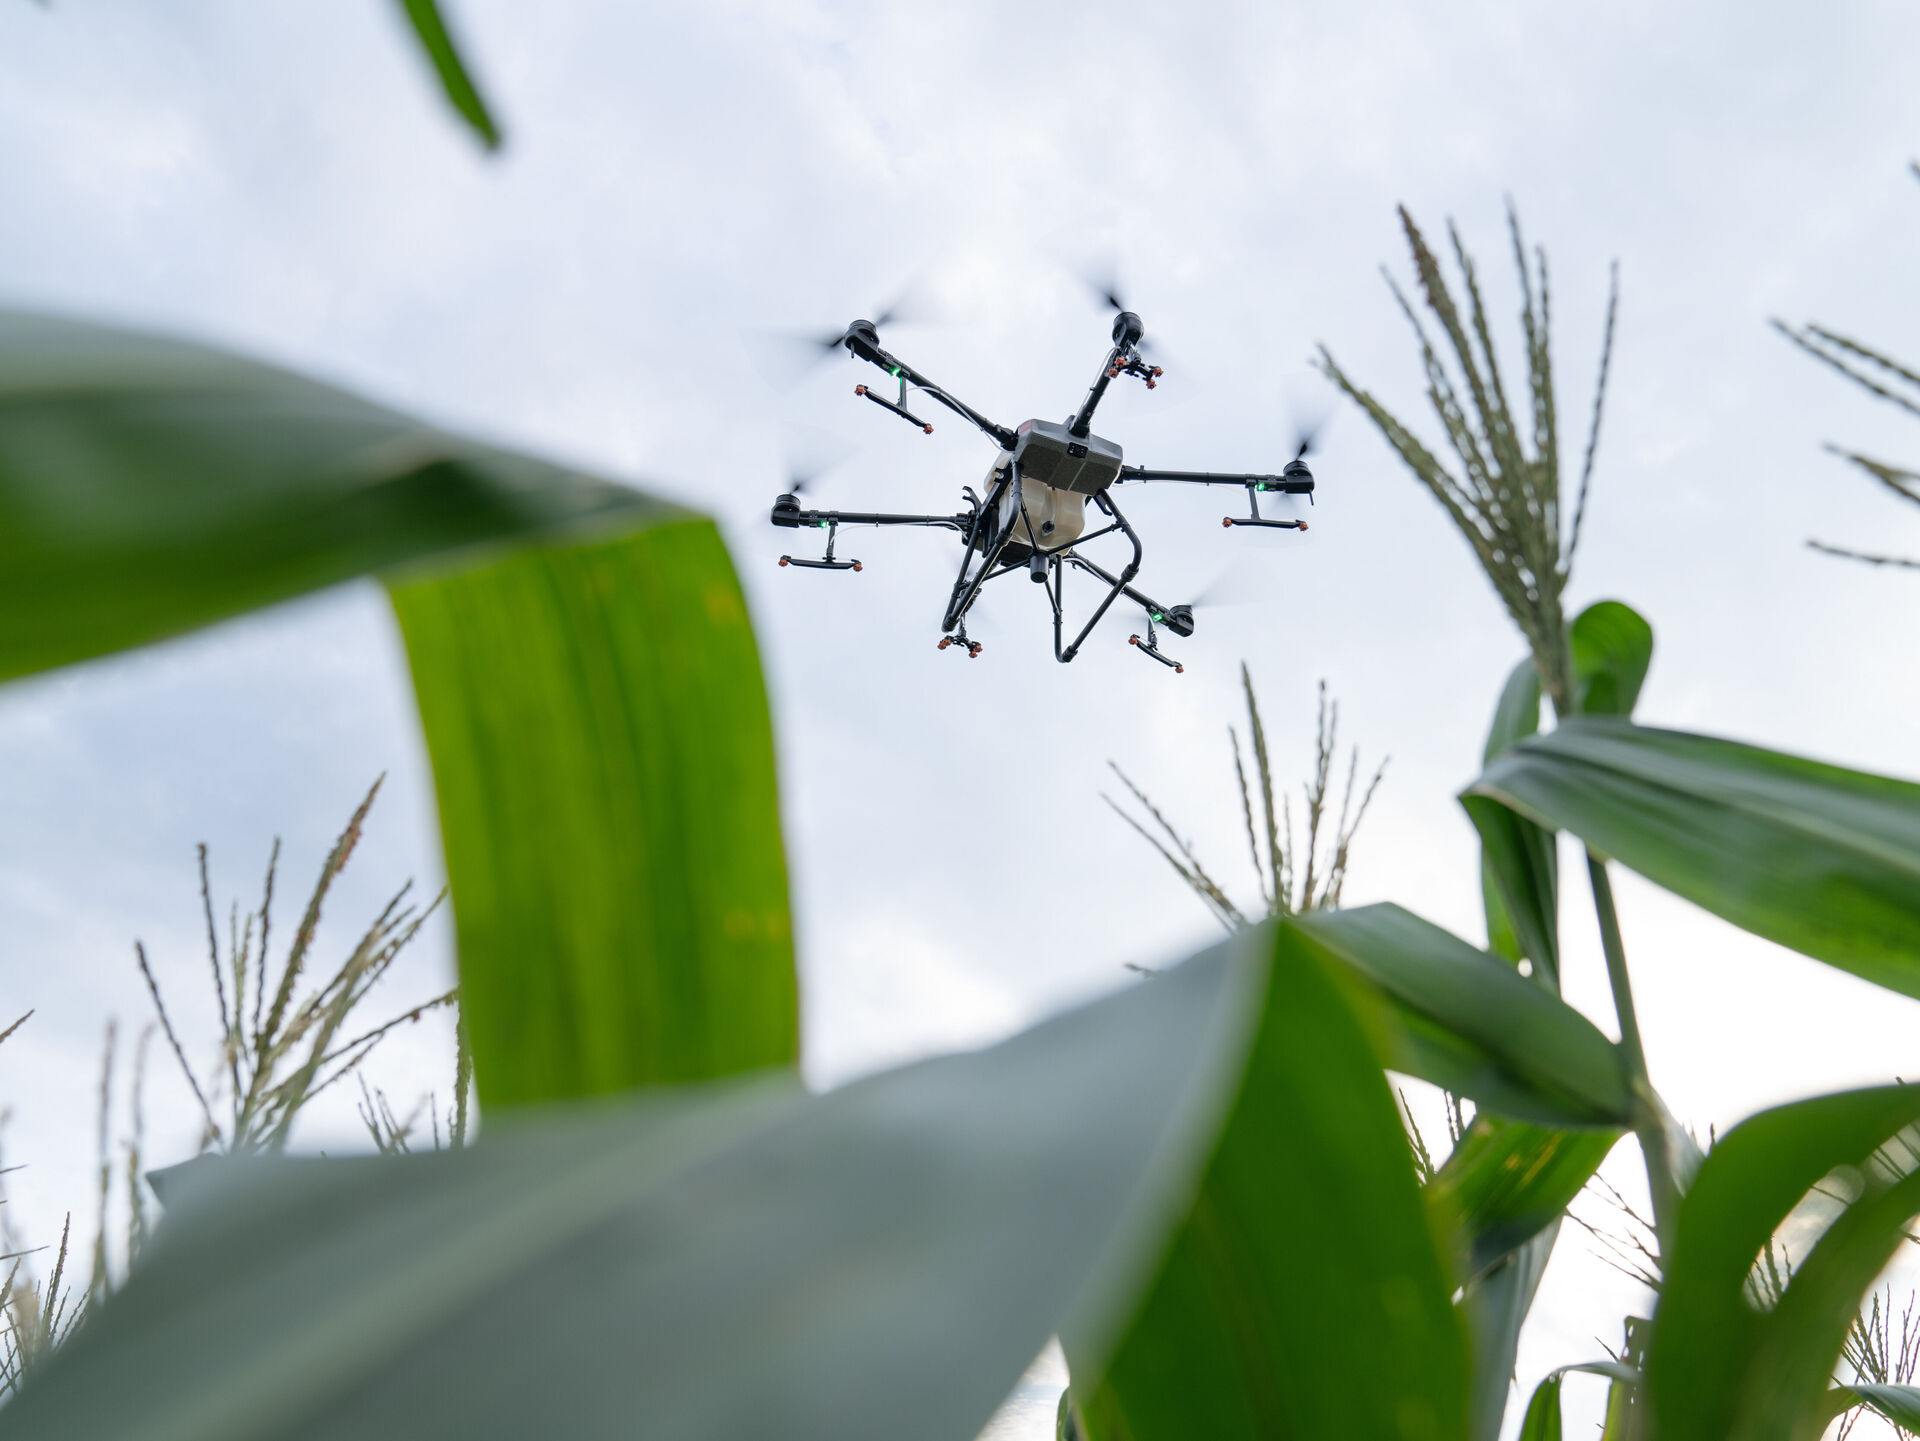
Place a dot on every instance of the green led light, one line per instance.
(1156, 615)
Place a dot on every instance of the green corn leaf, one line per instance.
(1495, 1306)
(1612, 647)
(1502, 1193)
(1542, 1422)
(1719, 1366)
(1520, 885)
(603, 759)
(735, 1259)
(1506, 1181)
(150, 486)
(1304, 1260)
(593, 705)
(1451, 1014)
(431, 31)
(1818, 858)
(1899, 1404)
(1519, 873)
(1517, 713)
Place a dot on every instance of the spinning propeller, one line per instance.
(807, 460)
(787, 357)
(904, 309)
(1105, 286)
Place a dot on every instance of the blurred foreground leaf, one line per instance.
(1612, 648)
(150, 486)
(431, 30)
(593, 705)
(1818, 858)
(1305, 1259)
(737, 1260)
(1722, 1365)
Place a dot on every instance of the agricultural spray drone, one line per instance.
(1034, 515)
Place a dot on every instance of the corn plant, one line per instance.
(1876, 1358)
(38, 1317)
(1291, 879)
(34, 1318)
(279, 1049)
(1698, 816)
(1506, 496)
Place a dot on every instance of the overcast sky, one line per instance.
(284, 179)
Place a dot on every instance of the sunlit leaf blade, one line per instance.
(603, 759)
(593, 708)
(1468, 1022)
(1306, 1258)
(1502, 1193)
(431, 31)
(736, 1260)
(1818, 858)
(1519, 871)
(150, 486)
(1506, 1181)
(1719, 1366)
(1612, 647)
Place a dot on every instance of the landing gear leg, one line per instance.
(1150, 647)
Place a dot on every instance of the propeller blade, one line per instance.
(786, 357)
(910, 305)
(1307, 419)
(809, 453)
(1241, 583)
(1103, 281)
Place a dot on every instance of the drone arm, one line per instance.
(1082, 423)
(794, 518)
(999, 434)
(1300, 484)
(900, 370)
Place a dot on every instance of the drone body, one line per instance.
(1038, 490)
